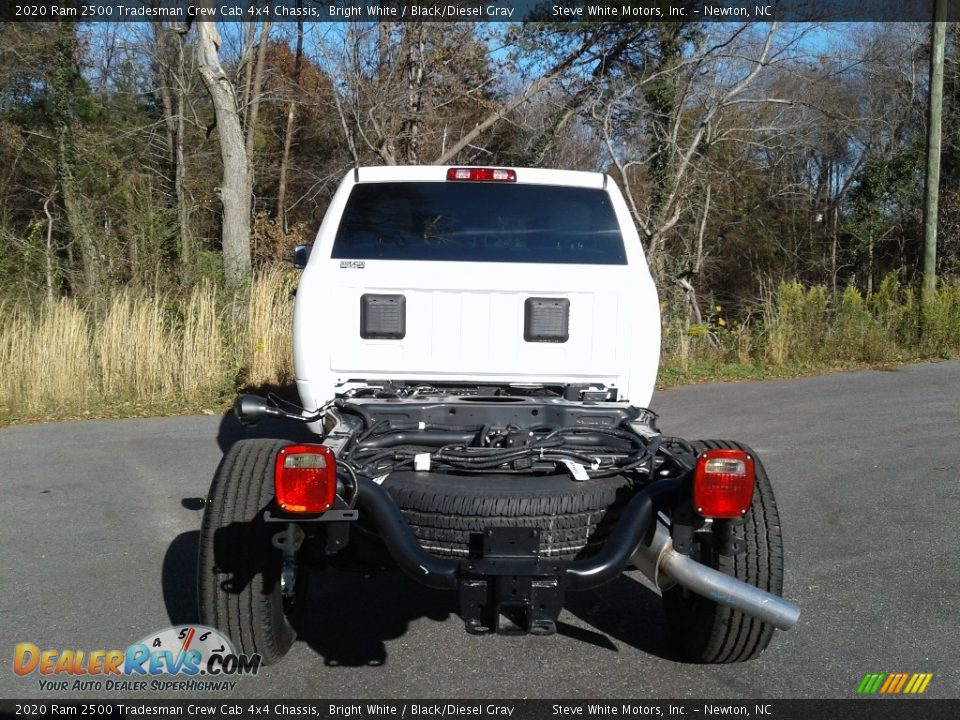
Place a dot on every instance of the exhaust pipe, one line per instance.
(665, 567)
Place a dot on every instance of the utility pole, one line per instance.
(939, 33)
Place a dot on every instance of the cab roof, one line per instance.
(438, 173)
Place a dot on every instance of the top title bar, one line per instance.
(187, 11)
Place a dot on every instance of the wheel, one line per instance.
(445, 511)
(712, 633)
(239, 569)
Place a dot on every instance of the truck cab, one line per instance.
(476, 275)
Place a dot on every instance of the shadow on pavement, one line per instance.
(350, 617)
(624, 610)
(179, 578)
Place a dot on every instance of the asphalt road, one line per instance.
(100, 522)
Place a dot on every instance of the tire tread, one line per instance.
(712, 633)
(252, 615)
(574, 517)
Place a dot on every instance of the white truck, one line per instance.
(475, 350)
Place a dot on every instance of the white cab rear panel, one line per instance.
(465, 320)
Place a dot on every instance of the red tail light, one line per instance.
(723, 483)
(484, 174)
(305, 478)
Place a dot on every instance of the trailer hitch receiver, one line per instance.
(509, 589)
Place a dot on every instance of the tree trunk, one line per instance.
(65, 78)
(255, 100)
(833, 254)
(693, 307)
(288, 133)
(170, 80)
(662, 96)
(383, 47)
(48, 257)
(246, 63)
(234, 187)
(180, 179)
(698, 256)
(162, 60)
(415, 70)
(547, 137)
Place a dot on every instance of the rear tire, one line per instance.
(712, 633)
(239, 569)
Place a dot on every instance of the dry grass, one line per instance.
(46, 357)
(269, 328)
(133, 348)
(203, 347)
(62, 358)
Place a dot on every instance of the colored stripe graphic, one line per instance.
(870, 683)
(898, 682)
(894, 683)
(865, 683)
(888, 683)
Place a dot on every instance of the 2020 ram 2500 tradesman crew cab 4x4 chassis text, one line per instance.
(475, 349)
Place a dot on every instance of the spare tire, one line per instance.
(448, 513)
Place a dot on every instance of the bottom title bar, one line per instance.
(854, 709)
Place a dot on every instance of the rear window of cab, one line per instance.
(479, 222)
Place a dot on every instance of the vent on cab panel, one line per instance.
(546, 320)
(383, 317)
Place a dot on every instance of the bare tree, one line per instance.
(172, 85)
(700, 88)
(253, 93)
(561, 66)
(415, 91)
(290, 127)
(234, 190)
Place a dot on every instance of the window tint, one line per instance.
(485, 222)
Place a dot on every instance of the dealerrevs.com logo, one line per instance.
(182, 658)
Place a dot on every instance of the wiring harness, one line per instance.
(586, 452)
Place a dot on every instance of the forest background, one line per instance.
(154, 178)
